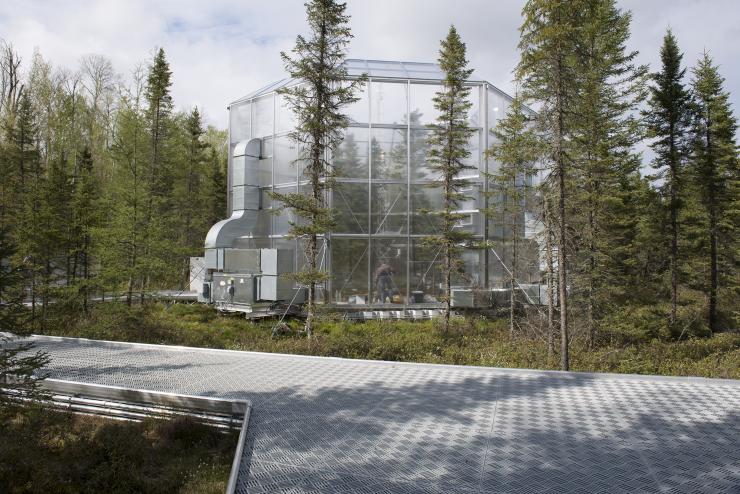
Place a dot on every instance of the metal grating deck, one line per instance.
(325, 425)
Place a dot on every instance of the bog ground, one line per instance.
(336, 425)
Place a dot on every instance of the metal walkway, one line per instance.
(332, 425)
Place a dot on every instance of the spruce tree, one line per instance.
(549, 75)
(605, 132)
(85, 218)
(714, 166)
(317, 61)
(448, 151)
(517, 150)
(18, 367)
(668, 120)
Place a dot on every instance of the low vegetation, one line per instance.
(471, 341)
(44, 451)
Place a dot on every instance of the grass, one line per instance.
(44, 451)
(474, 341)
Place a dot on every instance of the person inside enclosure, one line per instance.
(384, 282)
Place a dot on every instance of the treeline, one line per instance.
(106, 189)
(634, 249)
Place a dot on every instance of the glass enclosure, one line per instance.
(384, 196)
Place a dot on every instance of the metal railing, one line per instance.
(136, 404)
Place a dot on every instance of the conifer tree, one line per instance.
(714, 165)
(605, 132)
(17, 365)
(318, 61)
(85, 218)
(448, 151)
(668, 120)
(517, 151)
(548, 73)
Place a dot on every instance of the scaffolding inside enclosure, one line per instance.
(376, 256)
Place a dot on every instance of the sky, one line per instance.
(220, 50)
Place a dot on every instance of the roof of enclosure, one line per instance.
(373, 68)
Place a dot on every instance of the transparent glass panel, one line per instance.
(424, 202)
(474, 116)
(263, 115)
(359, 111)
(425, 285)
(350, 157)
(350, 203)
(239, 122)
(388, 269)
(418, 154)
(474, 160)
(422, 106)
(349, 258)
(389, 101)
(286, 153)
(498, 105)
(389, 209)
(281, 221)
(285, 119)
(473, 268)
(388, 153)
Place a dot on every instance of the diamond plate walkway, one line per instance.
(335, 425)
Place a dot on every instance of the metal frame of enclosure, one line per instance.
(383, 191)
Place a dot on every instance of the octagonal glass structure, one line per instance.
(376, 254)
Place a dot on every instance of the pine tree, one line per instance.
(668, 120)
(448, 150)
(548, 73)
(714, 165)
(517, 151)
(317, 103)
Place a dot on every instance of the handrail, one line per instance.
(199, 403)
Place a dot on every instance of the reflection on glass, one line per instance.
(388, 151)
(350, 203)
(425, 285)
(239, 122)
(358, 112)
(350, 157)
(349, 271)
(262, 116)
(422, 104)
(389, 102)
(425, 202)
(474, 159)
(418, 154)
(389, 209)
(388, 269)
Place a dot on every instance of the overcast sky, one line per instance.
(220, 50)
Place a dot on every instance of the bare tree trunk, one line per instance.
(550, 281)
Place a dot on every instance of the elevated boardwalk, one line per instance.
(337, 425)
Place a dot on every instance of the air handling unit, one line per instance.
(376, 256)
